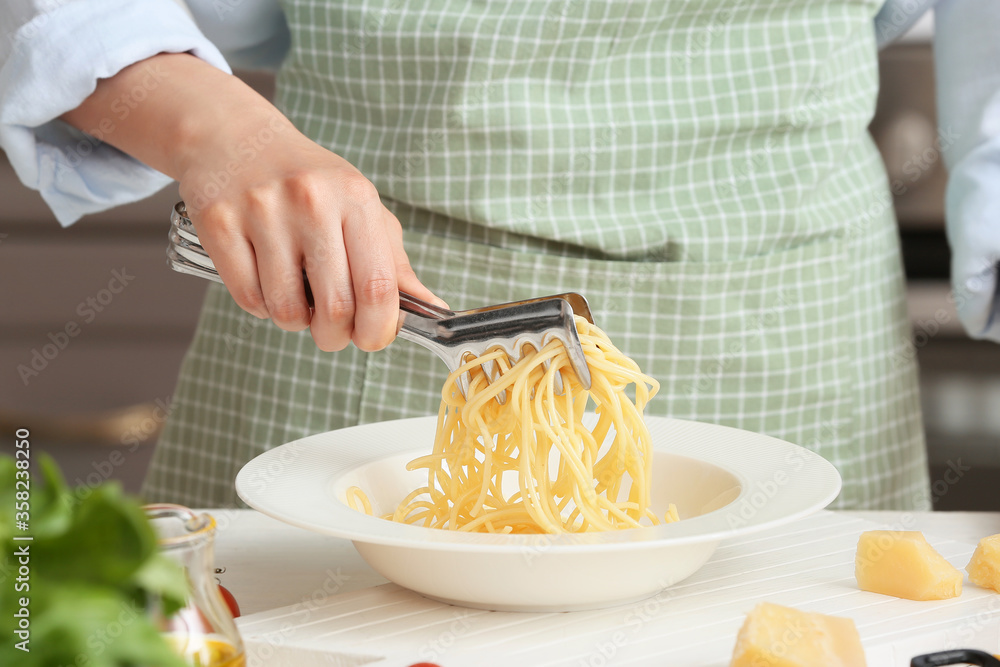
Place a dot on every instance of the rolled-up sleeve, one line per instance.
(967, 59)
(52, 55)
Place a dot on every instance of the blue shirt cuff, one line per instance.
(54, 65)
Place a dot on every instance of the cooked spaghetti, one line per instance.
(570, 478)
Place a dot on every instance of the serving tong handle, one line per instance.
(956, 657)
(453, 336)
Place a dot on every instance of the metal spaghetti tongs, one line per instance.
(455, 336)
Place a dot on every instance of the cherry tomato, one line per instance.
(230, 601)
(424, 664)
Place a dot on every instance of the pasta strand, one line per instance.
(569, 478)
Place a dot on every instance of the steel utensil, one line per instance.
(455, 336)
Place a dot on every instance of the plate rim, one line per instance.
(350, 524)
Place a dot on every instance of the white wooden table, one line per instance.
(336, 603)
(270, 564)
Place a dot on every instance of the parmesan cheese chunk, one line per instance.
(776, 636)
(902, 564)
(984, 568)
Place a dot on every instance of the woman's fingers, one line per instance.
(373, 275)
(406, 279)
(234, 258)
(308, 210)
(279, 266)
(329, 276)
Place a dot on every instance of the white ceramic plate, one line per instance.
(724, 481)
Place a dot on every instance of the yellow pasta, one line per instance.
(481, 441)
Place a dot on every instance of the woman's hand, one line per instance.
(267, 202)
(291, 206)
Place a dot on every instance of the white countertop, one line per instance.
(270, 564)
(309, 599)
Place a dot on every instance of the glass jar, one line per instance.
(203, 632)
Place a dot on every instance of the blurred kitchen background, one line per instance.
(101, 400)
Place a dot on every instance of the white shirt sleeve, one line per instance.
(967, 59)
(252, 34)
(52, 52)
(898, 16)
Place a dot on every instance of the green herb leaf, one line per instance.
(52, 502)
(164, 578)
(109, 536)
(83, 624)
(93, 565)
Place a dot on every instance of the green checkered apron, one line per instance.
(699, 169)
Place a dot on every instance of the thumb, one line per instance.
(406, 279)
(409, 283)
